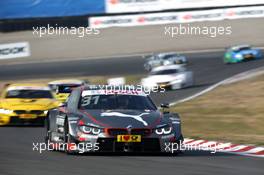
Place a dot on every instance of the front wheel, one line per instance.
(69, 143)
(176, 86)
(47, 136)
(48, 139)
(148, 67)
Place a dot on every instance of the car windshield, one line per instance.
(169, 56)
(244, 48)
(66, 88)
(117, 101)
(165, 72)
(29, 94)
(241, 49)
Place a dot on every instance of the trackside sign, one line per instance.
(14, 50)
(128, 6)
(176, 17)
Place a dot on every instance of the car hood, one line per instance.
(29, 104)
(62, 96)
(123, 118)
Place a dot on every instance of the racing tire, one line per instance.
(67, 139)
(47, 136)
(148, 68)
(48, 139)
(174, 87)
(178, 152)
(178, 62)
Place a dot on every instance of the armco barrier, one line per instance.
(129, 6)
(176, 17)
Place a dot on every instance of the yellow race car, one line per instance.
(26, 104)
(63, 88)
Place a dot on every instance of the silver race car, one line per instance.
(163, 59)
(168, 77)
(97, 119)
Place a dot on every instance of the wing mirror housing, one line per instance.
(63, 104)
(165, 106)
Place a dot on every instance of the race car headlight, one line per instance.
(238, 56)
(46, 112)
(228, 55)
(178, 78)
(167, 62)
(163, 130)
(6, 111)
(90, 130)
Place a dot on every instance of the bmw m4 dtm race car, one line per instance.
(111, 121)
(26, 104)
(242, 53)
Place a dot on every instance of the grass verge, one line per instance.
(233, 112)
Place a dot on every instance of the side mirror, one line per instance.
(63, 104)
(57, 90)
(165, 105)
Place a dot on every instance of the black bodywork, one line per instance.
(64, 125)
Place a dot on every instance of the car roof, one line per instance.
(239, 47)
(67, 81)
(167, 53)
(25, 86)
(167, 67)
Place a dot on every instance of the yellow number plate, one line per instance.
(27, 116)
(128, 138)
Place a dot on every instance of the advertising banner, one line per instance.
(14, 50)
(133, 20)
(176, 17)
(126, 6)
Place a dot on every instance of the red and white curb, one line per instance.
(213, 146)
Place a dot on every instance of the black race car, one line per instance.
(97, 119)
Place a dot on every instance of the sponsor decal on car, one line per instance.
(128, 138)
(118, 114)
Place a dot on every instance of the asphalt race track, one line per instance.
(208, 69)
(17, 156)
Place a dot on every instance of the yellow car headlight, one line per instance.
(6, 111)
(46, 112)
